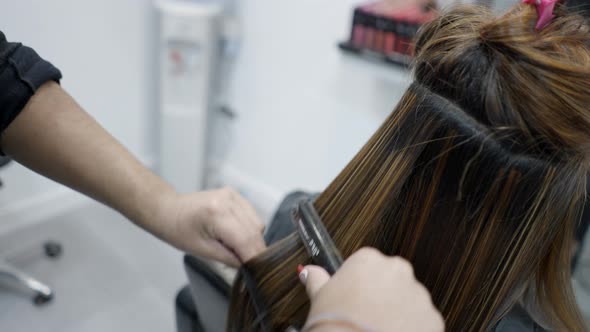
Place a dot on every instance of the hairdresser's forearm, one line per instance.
(55, 137)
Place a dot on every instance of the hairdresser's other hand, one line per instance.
(374, 291)
(218, 224)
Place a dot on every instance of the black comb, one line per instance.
(315, 237)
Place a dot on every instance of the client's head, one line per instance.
(477, 177)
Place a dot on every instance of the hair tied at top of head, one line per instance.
(544, 10)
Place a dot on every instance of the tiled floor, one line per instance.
(112, 276)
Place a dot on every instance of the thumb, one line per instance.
(314, 278)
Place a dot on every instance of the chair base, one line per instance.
(41, 293)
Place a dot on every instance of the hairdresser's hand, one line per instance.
(55, 137)
(219, 224)
(374, 291)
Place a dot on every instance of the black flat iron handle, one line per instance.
(315, 238)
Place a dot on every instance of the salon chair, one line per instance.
(41, 293)
(202, 305)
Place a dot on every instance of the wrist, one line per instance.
(327, 322)
(330, 328)
(152, 206)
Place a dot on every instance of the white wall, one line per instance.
(103, 49)
(304, 108)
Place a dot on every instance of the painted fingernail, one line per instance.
(299, 268)
(303, 276)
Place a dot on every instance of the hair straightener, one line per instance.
(315, 237)
(316, 240)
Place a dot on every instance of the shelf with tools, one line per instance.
(385, 30)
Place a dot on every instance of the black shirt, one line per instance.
(22, 72)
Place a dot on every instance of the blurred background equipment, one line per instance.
(189, 41)
(198, 42)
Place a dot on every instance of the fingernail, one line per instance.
(303, 276)
(299, 268)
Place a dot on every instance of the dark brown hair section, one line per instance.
(530, 86)
(477, 177)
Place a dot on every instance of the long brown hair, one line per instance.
(477, 177)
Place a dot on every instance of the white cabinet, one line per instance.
(189, 40)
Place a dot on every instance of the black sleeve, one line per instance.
(22, 72)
